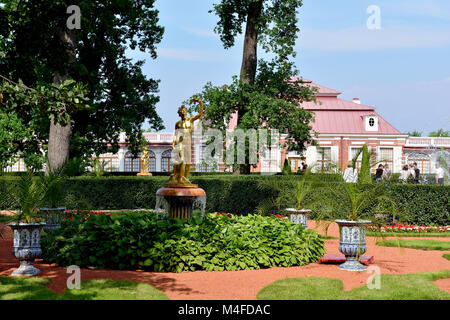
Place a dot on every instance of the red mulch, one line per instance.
(246, 284)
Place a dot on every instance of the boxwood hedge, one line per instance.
(140, 240)
(428, 204)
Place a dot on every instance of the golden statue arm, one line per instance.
(201, 110)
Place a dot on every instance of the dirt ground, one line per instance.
(245, 284)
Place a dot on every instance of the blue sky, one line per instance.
(402, 69)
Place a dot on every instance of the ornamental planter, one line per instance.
(27, 247)
(298, 216)
(52, 217)
(352, 243)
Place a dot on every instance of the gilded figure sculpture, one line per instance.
(145, 160)
(181, 152)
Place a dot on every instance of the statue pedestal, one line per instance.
(145, 174)
(180, 199)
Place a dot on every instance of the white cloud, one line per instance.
(363, 39)
(201, 32)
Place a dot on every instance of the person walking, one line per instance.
(379, 173)
(350, 174)
(439, 174)
(411, 174)
(387, 173)
(404, 174)
(417, 173)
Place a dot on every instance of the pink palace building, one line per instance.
(343, 127)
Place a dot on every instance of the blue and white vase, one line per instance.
(298, 216)
(53, 217)
(27, 247)
(352, 243)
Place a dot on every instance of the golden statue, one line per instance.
(181, 153)
(145, 160)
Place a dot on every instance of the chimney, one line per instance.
(356, 100)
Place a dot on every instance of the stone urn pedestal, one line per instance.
(180, 200)
(145, 174)
(352, 243)
(27, 247)
(299, 216)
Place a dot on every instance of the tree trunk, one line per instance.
(58, 145)
(249, 64)
(249, 56)
(59, 136)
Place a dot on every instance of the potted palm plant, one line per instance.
(291, 191)
(29, 194)
(352, 206)
(54, 195)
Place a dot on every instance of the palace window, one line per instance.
(323, 158)
(387, 156)
(132, 163)
(166, 161)
(109, 162)
(422, 160)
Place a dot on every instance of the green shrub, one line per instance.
(427, 204)
(139, 240)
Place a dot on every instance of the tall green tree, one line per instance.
(414, 133)
(263, 96)
(439, 133)
(37, 46)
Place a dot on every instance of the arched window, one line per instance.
(152, 161)
(132, 164)
(166, 161)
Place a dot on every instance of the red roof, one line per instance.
(348, 122)
(338, 116)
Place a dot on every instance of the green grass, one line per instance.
(422, 244)
(12, 288)
(414, 286)
(446, 256)
(409, 234)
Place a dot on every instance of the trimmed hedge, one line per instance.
(422, 204)
(140, 240)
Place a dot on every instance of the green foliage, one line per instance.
(419, 204)
(421, 244)
(439, 133)
(271, 102)
(276, 25)
(393, 287)
(140, 240)
(286, 167)
(33, 49)
(29, 193)
(286, 193)
(23, 288)
(415, 133)
(22, 113)
(364, 174)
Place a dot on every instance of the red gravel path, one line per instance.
(246, 284)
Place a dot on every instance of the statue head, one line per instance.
(182, 111)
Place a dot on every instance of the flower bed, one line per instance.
(405, 228)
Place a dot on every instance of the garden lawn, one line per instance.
(422, 244)
(35, 289)
(413, 286)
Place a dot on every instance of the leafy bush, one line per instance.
(428, 204)
(140, 240)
